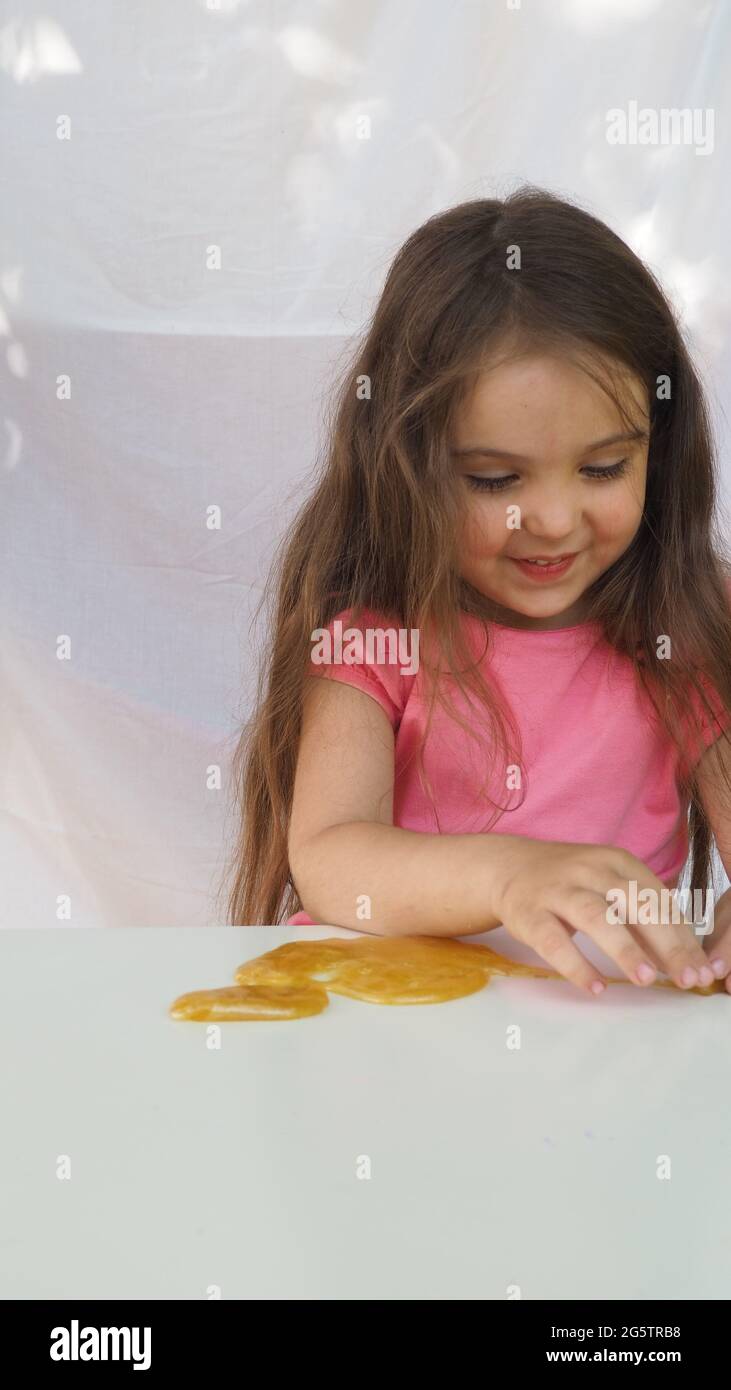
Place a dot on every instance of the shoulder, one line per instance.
(369, 650)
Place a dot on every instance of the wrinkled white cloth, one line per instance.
(180, 275)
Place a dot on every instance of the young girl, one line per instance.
(499, 674)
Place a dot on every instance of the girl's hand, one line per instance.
(717, 945)
(548, 891)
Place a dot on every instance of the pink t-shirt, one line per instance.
(596, 766)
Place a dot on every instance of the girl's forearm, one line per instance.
(407, 881)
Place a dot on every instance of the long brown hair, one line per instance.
(380, 526)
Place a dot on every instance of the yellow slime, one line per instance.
(293, 981)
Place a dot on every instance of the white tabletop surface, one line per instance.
(238, 1168)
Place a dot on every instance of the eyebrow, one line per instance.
(634, 436)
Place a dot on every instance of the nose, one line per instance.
(553, 516)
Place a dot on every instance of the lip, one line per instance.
(541, 574)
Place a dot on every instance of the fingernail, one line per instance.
(689, 976)
(705, 975)
(718, 967)
(597, 987)
(645, 974)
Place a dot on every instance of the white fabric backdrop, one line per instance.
(238, 126)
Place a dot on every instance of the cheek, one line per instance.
(484, 530)
(617, 517)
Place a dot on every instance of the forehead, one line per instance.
(519, 403)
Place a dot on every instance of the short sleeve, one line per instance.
(369, 653)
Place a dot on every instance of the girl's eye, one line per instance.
(489, 484)
(612, 470)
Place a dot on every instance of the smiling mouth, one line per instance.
(545, 568)
(544, 559)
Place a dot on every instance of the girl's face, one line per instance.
(540, 444)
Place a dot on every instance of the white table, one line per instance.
(237, 1168)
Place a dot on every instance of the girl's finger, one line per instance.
(553, 941)
(717, 949)
(673, 944)
(587, 911)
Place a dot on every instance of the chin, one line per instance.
(543, 606)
